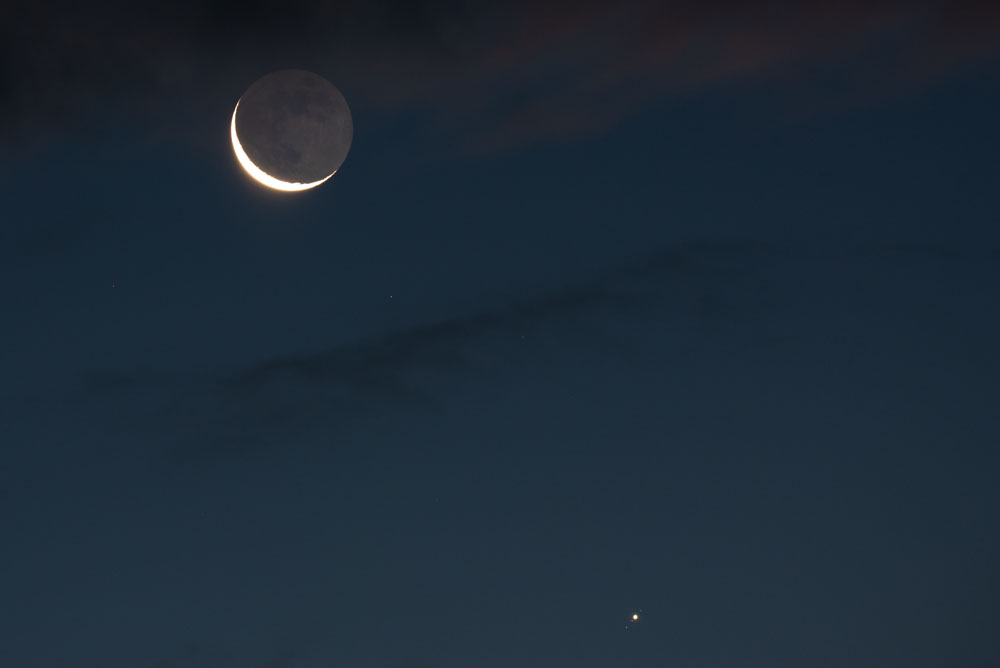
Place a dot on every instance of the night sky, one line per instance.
(688, 310)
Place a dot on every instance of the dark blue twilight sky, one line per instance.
(687, 308)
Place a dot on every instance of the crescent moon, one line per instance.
(258, 174)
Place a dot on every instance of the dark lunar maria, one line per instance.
(295, 125)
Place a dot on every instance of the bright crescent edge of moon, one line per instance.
(259, 174)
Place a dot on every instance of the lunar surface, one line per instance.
(291, 130)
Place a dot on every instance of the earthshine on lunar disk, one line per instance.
(291, 130)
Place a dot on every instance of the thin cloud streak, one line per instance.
(247, 408)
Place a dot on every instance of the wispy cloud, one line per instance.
(241, 408)
(493, 77)
(219, 412)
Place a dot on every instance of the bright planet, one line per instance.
(291, 130)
